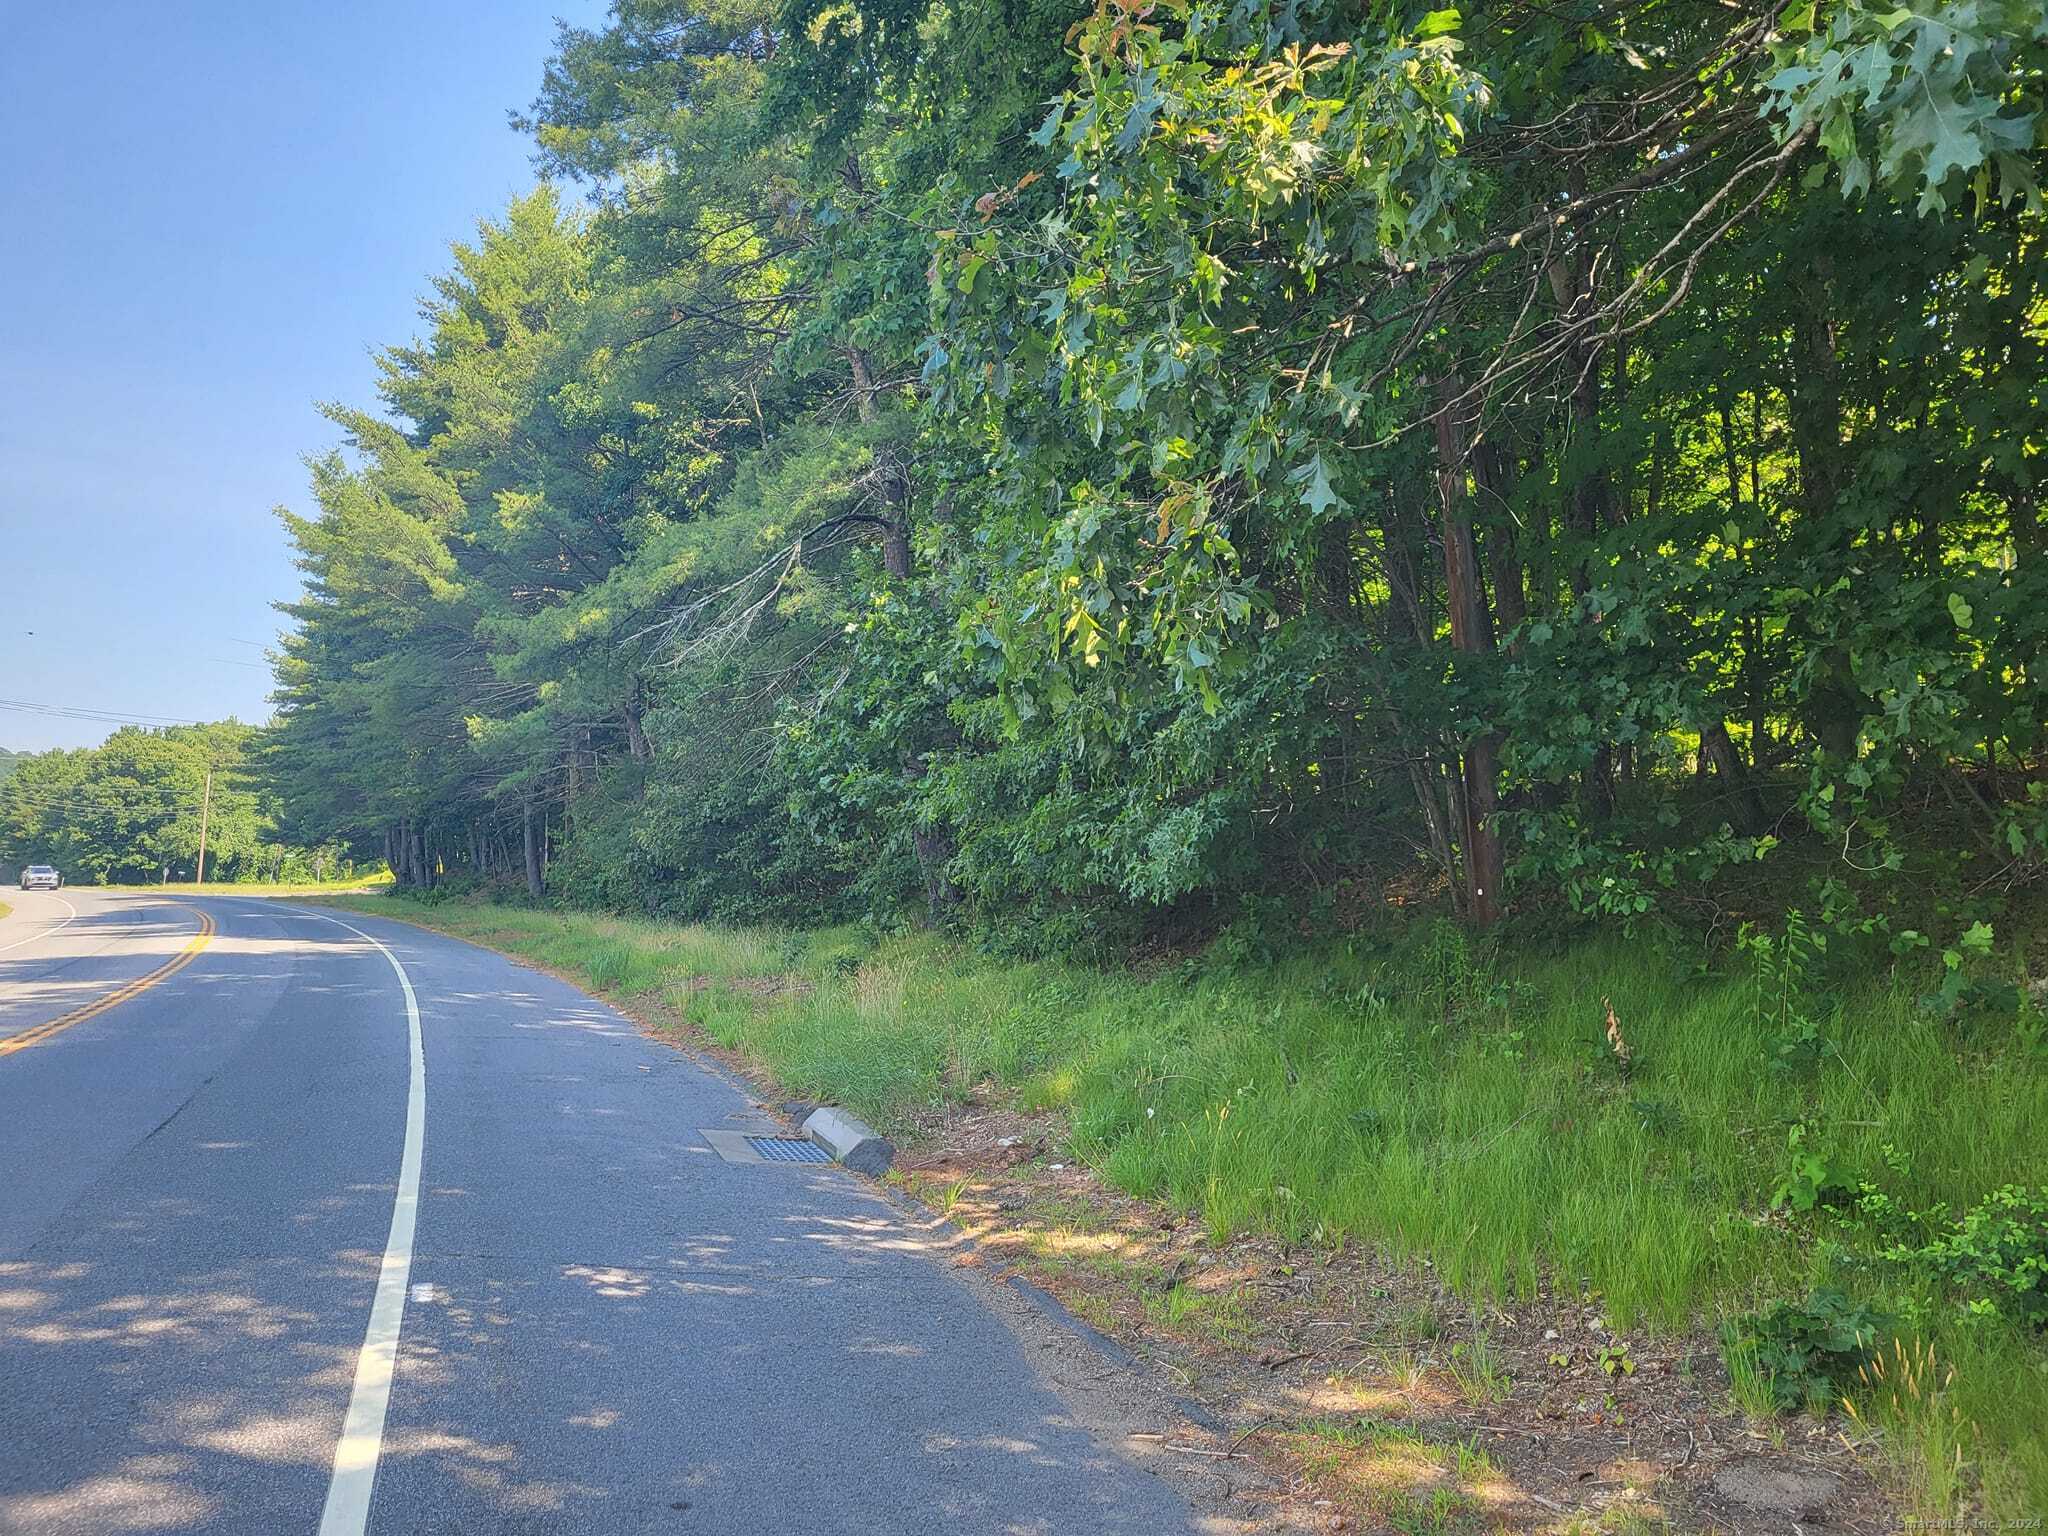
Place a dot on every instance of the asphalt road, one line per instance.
(205, 1188)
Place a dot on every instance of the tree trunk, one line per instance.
(934, 852)
(1399, 539)
(1401, 530)
(894, 484)
(1503, 556)
(636, 733)
(533, 879)
(1571, 283)
(1717, 750)
(1834, 707)
(1422, 775)
(1484, 862)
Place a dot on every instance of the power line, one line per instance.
(101, 716)
(92, 797)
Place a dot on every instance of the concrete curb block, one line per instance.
(856, 1145)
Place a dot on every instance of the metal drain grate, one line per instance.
(789, 1149)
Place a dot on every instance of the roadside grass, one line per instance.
(1407, 1095)
(367, 884)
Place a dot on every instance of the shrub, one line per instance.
(1803, 1353)
(1996, 1254)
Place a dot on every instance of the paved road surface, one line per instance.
(606, 1327)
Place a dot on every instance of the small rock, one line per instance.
(1008, 1141)
(1550, 1333)
(1055, 1167)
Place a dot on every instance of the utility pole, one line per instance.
(205, 807)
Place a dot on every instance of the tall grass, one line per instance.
(1407, 1096)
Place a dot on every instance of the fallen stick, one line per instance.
(1240, 1440)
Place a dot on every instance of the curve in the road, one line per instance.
(46, 932)
(347, 1512)
(218, 1315)
(121, 994)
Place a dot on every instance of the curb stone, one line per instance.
(853, 1143)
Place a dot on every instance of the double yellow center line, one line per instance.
(113, 999)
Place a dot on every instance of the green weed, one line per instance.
(1476, 1371)
(1801, 1354)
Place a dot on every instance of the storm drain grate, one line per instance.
(789, 1149)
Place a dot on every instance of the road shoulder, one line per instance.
(1127, 1405)
(1335, 1388)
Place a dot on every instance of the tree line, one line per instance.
(139, 807)
(1088, 469)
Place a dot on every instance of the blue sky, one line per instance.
(210, 214)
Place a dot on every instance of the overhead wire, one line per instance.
(102, 716)
(44, 799)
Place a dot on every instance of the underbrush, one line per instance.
(1683, 1145)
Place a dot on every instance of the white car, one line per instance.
(40, 877)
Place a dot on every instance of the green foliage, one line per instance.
(1024, 468)
(1915, 101)
(1995, 1254)
(131, 810)
(1966, 998)
(1805, 1353)
(1783, 966)
(1810, 1180)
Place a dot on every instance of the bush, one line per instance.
(1997, 1255)
(1803, 1354)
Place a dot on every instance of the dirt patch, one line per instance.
(1377, 1397)
(1803, 1494)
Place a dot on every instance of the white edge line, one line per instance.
(47, 931)
(347, 1512)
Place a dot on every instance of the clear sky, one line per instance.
(211, 211)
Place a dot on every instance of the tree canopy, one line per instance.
(1136, 465)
